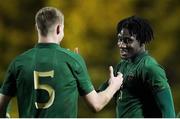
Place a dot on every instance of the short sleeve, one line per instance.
(9, 85)
(83, 80)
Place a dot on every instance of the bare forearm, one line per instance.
(105, 96)
(98, 100)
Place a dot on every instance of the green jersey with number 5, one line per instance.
(47, 80)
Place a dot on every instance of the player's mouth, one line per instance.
(124, 53)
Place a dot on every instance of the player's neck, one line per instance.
(143, 48)
(47, 39)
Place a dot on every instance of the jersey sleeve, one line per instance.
(156, 81)
(154, 77)
(83, 80)
(165, 103)
(9, 85)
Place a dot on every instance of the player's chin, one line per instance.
(124, 57)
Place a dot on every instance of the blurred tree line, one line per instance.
(91, 26)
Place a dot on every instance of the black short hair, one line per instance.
(138, 26)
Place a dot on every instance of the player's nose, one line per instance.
(121, 44)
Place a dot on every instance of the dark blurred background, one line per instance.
(90, 25)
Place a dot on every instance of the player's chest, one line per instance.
(132, 82)
(132, 76)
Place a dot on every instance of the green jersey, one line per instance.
(47, 80)
(143, 79)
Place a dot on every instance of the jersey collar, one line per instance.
(138, 57)
(49, 45)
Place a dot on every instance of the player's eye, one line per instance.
(125, 40)
(128, 40)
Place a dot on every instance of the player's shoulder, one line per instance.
(26, 54)
(23, 57)
(70, 54)
(151, 64)
(149, 61)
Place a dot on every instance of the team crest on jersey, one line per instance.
(130, 76)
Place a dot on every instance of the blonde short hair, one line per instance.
(47, 17)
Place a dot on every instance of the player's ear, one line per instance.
(58, 29)
(36, 27)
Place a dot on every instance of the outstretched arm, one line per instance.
(98, 100)
(4, 101)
